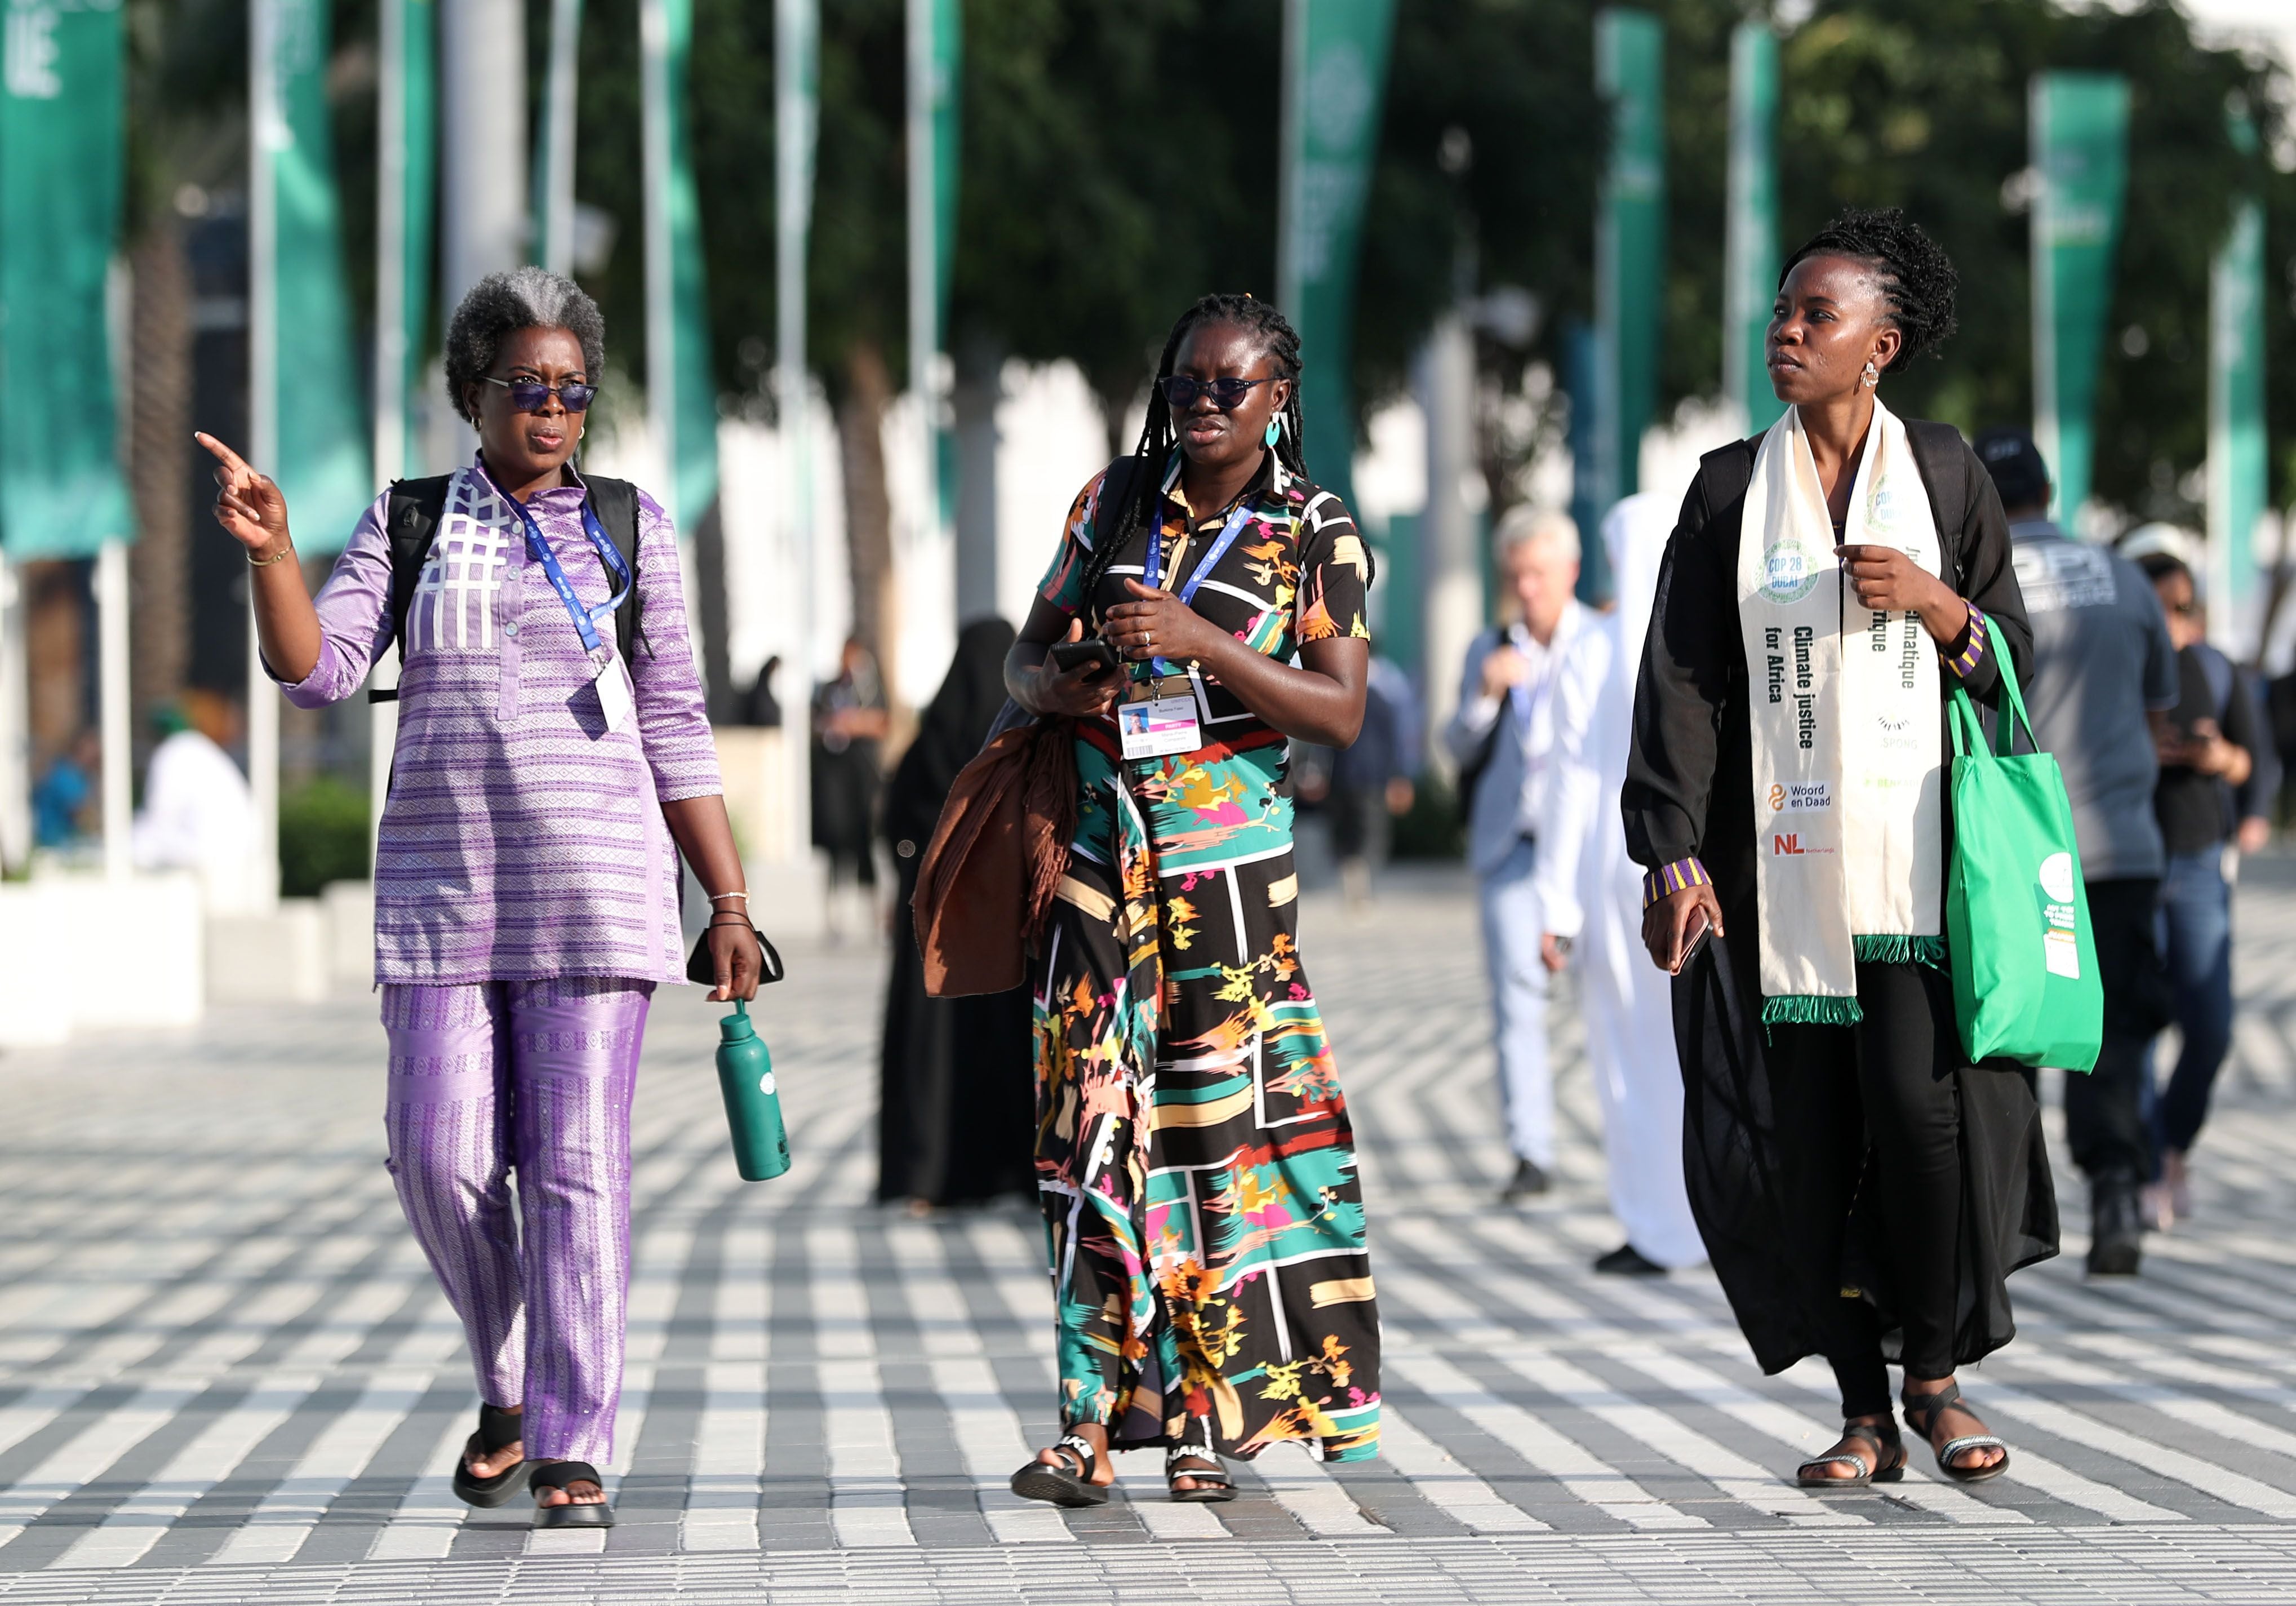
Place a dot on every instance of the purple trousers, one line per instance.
(533, 1078)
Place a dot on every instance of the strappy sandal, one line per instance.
(498, 1429)
(1883, 1436)
(558, 1475)
(1040, 1480)
(1922, 1412)
(1214, 1486)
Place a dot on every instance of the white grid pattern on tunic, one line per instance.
(469, 560)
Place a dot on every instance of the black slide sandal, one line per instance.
(498, 1429)
(557, 1475)
(1922, 1412)
(1214, 1486)
(1870, 1433)
(1058, 1485)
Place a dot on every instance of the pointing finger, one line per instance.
(223, 453)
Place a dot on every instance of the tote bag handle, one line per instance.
(1969, 730)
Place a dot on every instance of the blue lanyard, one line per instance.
(538, 547)
(1153, 567)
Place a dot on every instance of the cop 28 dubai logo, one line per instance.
(1788, 575)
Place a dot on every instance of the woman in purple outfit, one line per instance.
(544, 782)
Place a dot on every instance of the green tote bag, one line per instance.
(2025, 986)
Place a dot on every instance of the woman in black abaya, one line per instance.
(1863, 1190)
(956, 1118)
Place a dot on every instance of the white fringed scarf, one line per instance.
(1844, 701)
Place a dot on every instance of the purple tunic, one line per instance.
(522, 840)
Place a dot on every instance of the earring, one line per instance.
(1275, 431)
(1872, 376)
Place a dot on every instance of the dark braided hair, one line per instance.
(1915, 277)
(1281, 343)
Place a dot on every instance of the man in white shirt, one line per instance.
(1628, 1008)
(1503, 740)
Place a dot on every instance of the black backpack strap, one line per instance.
(410, 522)
(615, 503)
(1944, 457)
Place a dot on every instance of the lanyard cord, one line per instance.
(1152, 566)
(538, 547)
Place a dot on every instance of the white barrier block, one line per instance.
(280, 957)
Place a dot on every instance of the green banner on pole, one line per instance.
(682, 391)
(322, 451)
(2079, 129)
(1629, 247)
(1750, 249)
(61, 166)
(2237, 476)
(934, 42)
(405, 210)
(1335, 57)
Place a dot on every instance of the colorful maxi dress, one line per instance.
(1194, 1160)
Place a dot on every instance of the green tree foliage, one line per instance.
(1925, 107)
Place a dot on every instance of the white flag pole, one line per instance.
(555, 243)
(796, 28)
(267, 123)
(112, 698)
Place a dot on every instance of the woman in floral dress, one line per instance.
(1204, 1217)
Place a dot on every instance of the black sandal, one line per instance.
(1883, 1436)
(1214, 1486)
(558, 1475)
(1040, 1480)
(498, 1429)
(1922, 1412)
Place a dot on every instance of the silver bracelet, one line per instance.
(716, 896)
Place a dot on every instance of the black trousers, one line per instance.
(2104, 1117)
(1887, 1081)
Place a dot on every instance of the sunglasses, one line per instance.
(529, 394)
(1228, 394)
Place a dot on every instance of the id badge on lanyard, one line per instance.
(616, 697)
(1157, 726)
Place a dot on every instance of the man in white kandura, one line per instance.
(1503, 740)
(1628, 1008)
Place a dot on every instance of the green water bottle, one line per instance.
(753, 1106)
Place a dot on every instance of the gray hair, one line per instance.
(499, 305)
(1526, 525)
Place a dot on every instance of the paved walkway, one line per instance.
(224, 1374)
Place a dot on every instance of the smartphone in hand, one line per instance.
(1093, 650)
(1694, 933)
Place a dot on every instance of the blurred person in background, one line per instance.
(198, 812)
(65, 796)
(849, 724)
(762, 706)
(1630, 1017)
(1503, 740)
(1203, 1213)
(1370, 784)
(526, 877)
(955, 1084)
(2104, 676)
(2206, 754)
(1864, 1192)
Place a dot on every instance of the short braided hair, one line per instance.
(1272, 331)
(499, 305)
(1914, 276)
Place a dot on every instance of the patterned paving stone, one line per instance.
(225, 1375)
